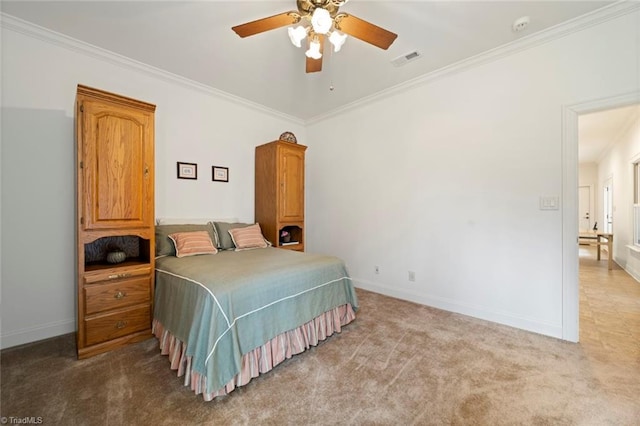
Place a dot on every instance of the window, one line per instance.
(636, 183)
(636, 225)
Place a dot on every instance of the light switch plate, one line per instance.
(549, 202)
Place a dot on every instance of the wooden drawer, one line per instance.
(110, 326)
(116, 273)
(106, 296)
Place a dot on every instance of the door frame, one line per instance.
(570, 266)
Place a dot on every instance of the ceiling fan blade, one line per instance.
(266, 24)
(365, 31)
(315, 65)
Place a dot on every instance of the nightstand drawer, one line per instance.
(102, 297)
(106, 327)
(116, 273)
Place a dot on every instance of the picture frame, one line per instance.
(187, 170)
(219, 174)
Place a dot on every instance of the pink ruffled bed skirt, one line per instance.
(260, 360)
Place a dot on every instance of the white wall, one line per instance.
(618, 164)
(40, 72)
(445, 179)
(588, 174)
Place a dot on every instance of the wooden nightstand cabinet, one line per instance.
(115, 211)
(279, 196)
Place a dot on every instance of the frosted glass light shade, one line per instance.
(297, 34)
(314, 50)
(321, 21)
(337, 39)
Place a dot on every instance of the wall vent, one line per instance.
(407, 57)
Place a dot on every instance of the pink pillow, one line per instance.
(249, 237)
(192, 243)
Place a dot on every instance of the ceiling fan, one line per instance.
(319, 19)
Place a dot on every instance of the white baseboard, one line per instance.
(631, 262)
(33, 334)
(528, 324)
(635, 274)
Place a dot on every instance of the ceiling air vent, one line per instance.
(407, 57)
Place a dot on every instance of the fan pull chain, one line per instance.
(330, 65)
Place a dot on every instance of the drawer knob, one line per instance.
(119, 295)
(121, 324)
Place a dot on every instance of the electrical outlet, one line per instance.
(377, 269)
(412, 276)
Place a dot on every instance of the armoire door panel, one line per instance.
(119, 167)
(116, 168)
(292, 185)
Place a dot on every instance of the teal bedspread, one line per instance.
(225, 305)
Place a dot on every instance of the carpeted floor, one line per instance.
(398, 363)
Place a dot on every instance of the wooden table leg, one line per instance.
(610, 250)
(599, 243)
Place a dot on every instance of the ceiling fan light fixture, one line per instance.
(337, 39)
(314, 20)
(297, 34)
(314, 50)
(321, 21)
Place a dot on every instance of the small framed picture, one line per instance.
(220, 174)
(187, 170)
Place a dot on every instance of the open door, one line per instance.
(584, 208)
(607, 200)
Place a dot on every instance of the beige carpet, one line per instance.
(398, 363)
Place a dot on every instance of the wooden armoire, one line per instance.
(115, 213)
(279, 193)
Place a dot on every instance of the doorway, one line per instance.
(570, 204)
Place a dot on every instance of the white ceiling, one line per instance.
(195, 40)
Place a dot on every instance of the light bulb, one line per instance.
(321, 21)
(337, 39)
(314, 50)
(297, 34)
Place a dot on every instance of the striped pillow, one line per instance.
(192, 243)
(249, 237)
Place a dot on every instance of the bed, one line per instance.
(232, 313)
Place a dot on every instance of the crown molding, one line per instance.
(32, 30)
(604, 14)
(596, 17)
